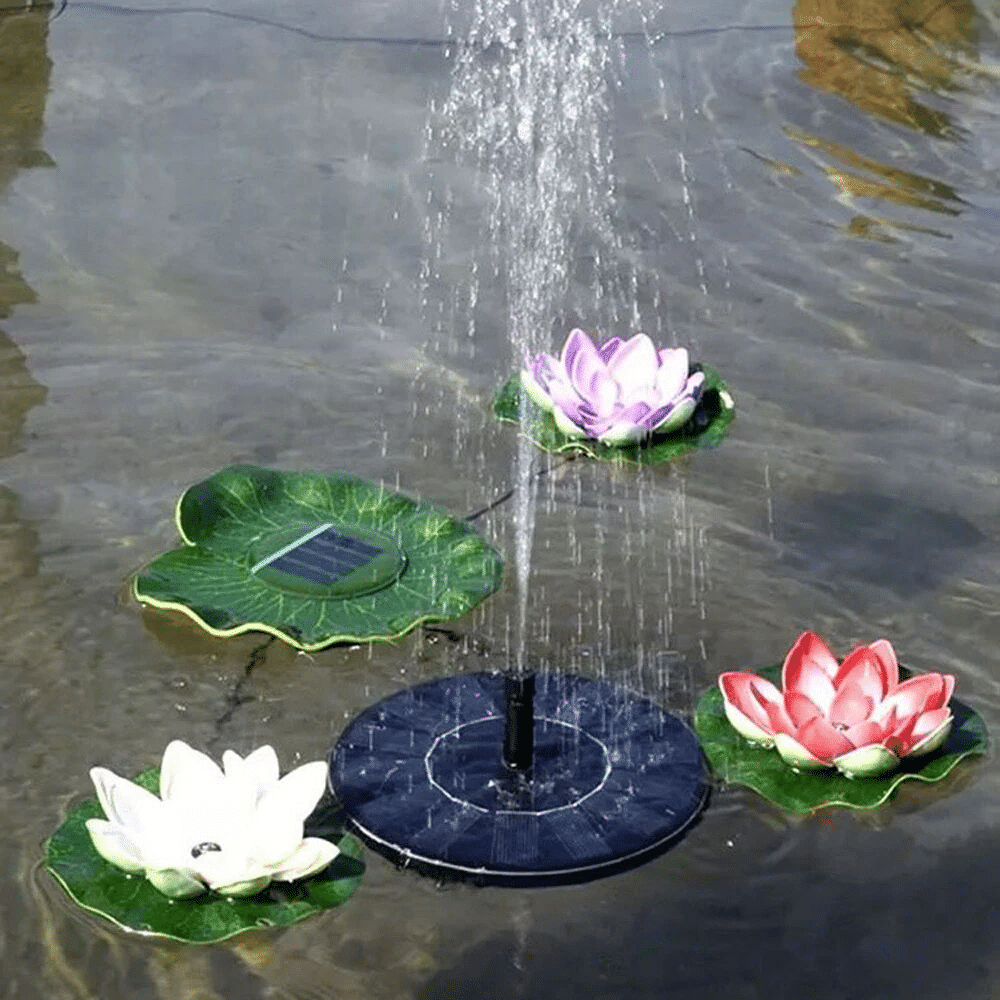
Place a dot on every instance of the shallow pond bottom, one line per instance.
(614, 780)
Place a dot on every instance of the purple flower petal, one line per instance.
(610, 348)
(602, 392)
(628, 425)
(576, 342)
(544, 368)
(634, 366)
(674, 416)
(587, 367)
(568, 405)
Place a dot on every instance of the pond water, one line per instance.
(236, 235)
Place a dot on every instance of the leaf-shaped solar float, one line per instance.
(316, 558)
(133, 903)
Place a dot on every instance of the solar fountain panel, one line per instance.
(322, 556)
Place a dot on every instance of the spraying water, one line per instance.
(526, 108)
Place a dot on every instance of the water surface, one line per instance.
(235, 237)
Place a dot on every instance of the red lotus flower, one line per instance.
(854, 715)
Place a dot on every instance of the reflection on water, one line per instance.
(880, 56)
(24, 80)
(875, 53)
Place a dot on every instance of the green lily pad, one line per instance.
(706, 428)
(133, 904)
(316, 558)
(736, 760)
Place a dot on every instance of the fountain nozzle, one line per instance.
(519, 722)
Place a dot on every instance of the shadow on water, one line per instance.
(893, 923)
(895, 545)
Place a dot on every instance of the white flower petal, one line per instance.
(634, 366)
(188, 774)
(796, 755)
(276, 835)
(176, 883)
(298, 792)
(249, 887)
(867, 762)
(263, 763)
(624, 432)
(125, 803)
(114, 844)
(535, 392)
(312, 855)
(672, 376)
(566, 425)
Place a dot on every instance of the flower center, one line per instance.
(203, 848)
(840, 726)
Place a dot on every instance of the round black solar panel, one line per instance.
(615, 778)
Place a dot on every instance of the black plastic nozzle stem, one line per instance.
(519, 722)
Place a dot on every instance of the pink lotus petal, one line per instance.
(924, 692)
(757, 698)
(822, 740)
(747, 729)
(809, 649)
(916, 730)
(807, 677)
(610, 348)
(800, 709)
(795, 755)
(851, 705)
(865, 733)
(863, 669)
(886, 656)
(672, 377)
(634, 365)
(930, 721)
(933, 740)
(949, 687)
(900, 740)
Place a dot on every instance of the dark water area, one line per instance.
(236, 234)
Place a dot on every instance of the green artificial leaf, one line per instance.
(420, 563)
(735, 760)
(706, 428)
(134, 904)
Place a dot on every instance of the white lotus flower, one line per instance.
(231, 829)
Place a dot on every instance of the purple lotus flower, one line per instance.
(618, 393)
